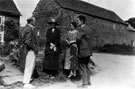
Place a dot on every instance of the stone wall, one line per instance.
(104, 31)
(45, 10)
(131, 37)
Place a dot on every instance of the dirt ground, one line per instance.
(112, 72)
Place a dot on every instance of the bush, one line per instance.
(41, 42)
(5, 49)
(11, 31)
(117, 49)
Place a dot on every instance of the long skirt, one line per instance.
(51, 62)
(67, 62)
(74, 59)
(71, 58)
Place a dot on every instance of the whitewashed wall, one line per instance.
(2, 21)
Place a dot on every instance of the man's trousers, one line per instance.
(84, 69)
(29, 66)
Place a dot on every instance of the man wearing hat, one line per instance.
(52, 51)
(29, 43)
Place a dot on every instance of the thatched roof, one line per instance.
(90, 9)
(131, 24)
(131, 21)
(9, 7)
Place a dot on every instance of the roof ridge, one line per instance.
(90, 9)
(8, 6)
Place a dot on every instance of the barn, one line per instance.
(107, 26)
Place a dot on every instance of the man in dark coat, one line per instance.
(52, 50)
(30, 43)
(85, 49)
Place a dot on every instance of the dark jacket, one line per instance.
(51, 57)
(53, 37)
(27, 42)
(29, 39)
(84, 41)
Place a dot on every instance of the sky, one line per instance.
(125, 9)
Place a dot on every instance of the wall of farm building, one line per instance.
(104, 31)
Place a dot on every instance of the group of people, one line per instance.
(77, 55)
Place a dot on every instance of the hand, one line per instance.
(52, 45)
(67, 42)
(54, 49)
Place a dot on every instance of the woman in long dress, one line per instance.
(71, 59)
(52, 51)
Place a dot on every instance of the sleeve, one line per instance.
(57, 40)
(21, 37)
(21, 41)
(28, 40)
(48, 41)
(25, 36)
(67, 36)
(80, 34)
(31, 42)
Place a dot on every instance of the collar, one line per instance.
(82, 25)
(31, 25)
(73, 31)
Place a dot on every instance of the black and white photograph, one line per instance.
(67, 44)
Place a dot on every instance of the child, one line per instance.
(74, 60)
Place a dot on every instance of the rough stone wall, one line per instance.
(107, 32)
(104, 32)
(131, 38)
(45, 10)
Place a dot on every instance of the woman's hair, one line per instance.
(74, 24)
